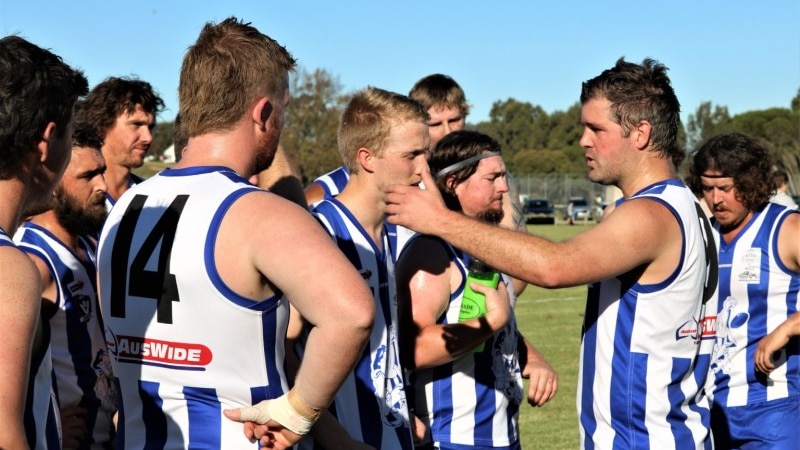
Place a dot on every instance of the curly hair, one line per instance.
(740, 157)
(36, 88)
(83, 133)
(115, 96)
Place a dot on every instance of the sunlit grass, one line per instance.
(551, 320)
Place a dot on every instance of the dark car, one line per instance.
(539, 210)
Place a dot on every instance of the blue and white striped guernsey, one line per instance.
(641, 369)
(756, 294)
(333, 182)
(81, 364)
(473, 401)
(183, 345)
(371, 404)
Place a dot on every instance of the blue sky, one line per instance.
(742, 54)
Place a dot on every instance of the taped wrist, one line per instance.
(294, 413)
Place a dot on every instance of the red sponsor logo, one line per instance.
(153, 350)
(708, 327)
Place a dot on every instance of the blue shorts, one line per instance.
(773, 425)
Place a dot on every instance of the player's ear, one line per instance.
(450, 183)
(266, 111)
(366, 159)
(44, 144)
(261, 112)
(641, 134)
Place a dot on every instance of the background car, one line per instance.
(580, 208)
(539, 210)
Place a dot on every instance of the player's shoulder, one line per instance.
(17, 266)
(258, 209)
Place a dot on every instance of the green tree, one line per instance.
(541, 162)
(566, 129)
(511, 122)
(779, 128)
(162, 138)
(312, 121)
(705, 123)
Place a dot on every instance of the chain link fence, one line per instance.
(560, 188)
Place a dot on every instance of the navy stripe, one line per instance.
(153, 417)
(676, 417)
(264, 305)
(269, 334)
(205, 415)
(443, 399)
(484, 394)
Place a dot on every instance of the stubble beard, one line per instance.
(267, 150)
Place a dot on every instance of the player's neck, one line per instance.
(366, 204)
(49, 222)
(12, 192)
(231, 150)
(644, 175)
(118, 179)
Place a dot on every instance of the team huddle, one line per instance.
(219, 302)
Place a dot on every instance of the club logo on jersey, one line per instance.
(751, 266)
(174, 355)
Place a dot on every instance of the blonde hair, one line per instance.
(368, 119)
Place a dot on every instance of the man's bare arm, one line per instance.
(424, 285)
(615, 246)
(297, 256)
(543, 380)
(21, 295)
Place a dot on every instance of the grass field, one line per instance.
(551, 320)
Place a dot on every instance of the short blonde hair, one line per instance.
(368, 119)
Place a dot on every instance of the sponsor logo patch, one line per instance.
(176, 355)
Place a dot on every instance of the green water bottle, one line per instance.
(473, 304)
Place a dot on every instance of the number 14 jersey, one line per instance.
(183, 345)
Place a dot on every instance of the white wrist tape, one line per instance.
(281, 411)
(289, 410)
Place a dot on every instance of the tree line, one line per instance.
(534, 142)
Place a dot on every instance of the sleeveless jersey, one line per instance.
(333, 184)
(757, 293)
(40, 418)
(371, 404)
(81, 365)
(184, 346)
(641, 366)
(474, 400)
(334, 181)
